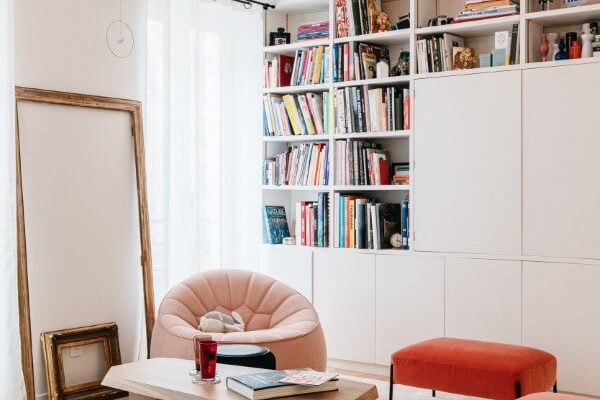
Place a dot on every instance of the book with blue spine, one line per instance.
(321, 219)
(342, 222)
(276, 224)
(404, 225)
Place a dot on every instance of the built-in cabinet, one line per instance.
(409, 302)
(483, 299)
(467, 167)
(561, 313)
(344, 296)
(505, 218)
(290, 265)
(561, 161)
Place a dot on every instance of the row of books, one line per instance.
(302, 114)
(278, 70)
(358, 109)
(482, 9)
(353, 61)
(311, 66)
(305, 164)
(400, 174)
(436, 54)
(364, 223)
(312, 222)
(313, 30)
(356, 17)
(361, 163)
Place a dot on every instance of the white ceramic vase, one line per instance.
(587, 37)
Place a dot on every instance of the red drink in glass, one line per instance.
(208, 359)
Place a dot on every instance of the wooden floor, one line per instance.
(357, 374)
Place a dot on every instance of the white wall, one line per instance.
(61, 45)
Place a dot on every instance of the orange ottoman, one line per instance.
(553, 396)
(474, 368)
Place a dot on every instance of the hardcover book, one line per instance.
(267, 385)
(276, 224)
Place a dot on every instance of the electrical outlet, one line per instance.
(76, 351)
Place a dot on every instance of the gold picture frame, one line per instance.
(134, 109)
(53, 344)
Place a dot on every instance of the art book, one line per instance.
(276, 224)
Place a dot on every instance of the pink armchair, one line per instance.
(276, 317)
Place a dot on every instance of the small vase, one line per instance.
(562, 54)
(586, 39)
(544, 47)
(553, 45)
(575, 50)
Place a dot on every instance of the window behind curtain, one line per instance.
(203, 132)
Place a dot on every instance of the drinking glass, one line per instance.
(205, 356)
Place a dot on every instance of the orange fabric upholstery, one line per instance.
(474, 368)
(276, 317)
(553, 396)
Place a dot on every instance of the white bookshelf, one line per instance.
(478, 34)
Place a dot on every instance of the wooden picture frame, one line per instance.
(53, 344)
(134, 109)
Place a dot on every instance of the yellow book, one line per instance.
(294, 115)
(351, 222)
(316, 78)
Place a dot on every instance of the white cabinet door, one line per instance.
(483, 299)
(561, 161)
(561, 314)
(467, 185)
(291, 265)
(344, 296)
(409, 302)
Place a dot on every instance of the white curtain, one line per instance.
(203, 136)
(11, 379)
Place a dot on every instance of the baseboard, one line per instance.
(360, 367)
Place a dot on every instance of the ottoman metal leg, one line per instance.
(433, 393)
(517, 389)
(391, 381)
(555, 387)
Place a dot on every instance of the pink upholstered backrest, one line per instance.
(262, 301)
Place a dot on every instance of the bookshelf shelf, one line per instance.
(296, 138)
(297, 188)
(374, 135)
(426, 75)
(374, 82)
(565, 16)
(292, 47)
(381, 38)
(371, 188)
(547, 64)
(321, 87)
(473, 28)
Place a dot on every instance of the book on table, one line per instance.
(268, 385)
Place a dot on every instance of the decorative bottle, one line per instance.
(562, 54)
(586, 41)
(544, 48)
(553, 45)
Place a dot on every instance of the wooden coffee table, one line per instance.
(168, 379)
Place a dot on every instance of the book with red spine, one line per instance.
(303, 223)
(406, 110)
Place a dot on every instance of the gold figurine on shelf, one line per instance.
(464, 59)
(379, 21)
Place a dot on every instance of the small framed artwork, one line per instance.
(279, 37)
(77, 359)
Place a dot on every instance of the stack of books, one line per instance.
(311, 66)
(272, 384)
(364, 223)
(278, 71)
(355, 17)
(314, 30)
(400, 174)
(361, 163)
(436, 54)
(358, 109)
(312, 222)
(305, 164)
(482, 9)
(357, 61)
(303, 114)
